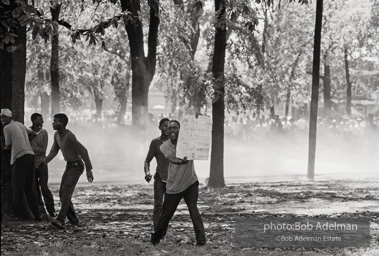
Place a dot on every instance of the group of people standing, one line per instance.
(175, 178)
(29, 178)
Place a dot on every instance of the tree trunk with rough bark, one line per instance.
(143, 68)
(12, 80)
(216, 178)
(54, 62)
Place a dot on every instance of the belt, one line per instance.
(75, 163)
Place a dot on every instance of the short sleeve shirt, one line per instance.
(16, 135)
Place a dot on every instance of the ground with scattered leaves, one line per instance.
(117, 219)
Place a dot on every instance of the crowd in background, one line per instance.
(246, 128)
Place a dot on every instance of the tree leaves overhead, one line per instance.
(27, 14)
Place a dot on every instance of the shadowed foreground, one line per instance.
(117, 219)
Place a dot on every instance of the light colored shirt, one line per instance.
(39, 145)
(16, 135)
(72, 149)
(180, 176)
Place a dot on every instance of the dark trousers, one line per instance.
(171, 202)
(25, 199)
(69, 180)
(159, 191)
(42, 177)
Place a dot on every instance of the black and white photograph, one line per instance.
(189, 127)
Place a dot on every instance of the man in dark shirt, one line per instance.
(39, 146)
(73, 152)
(160, 176)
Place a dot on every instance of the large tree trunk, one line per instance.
(348, 87)
(326, 83)
(216, 178)
(54, 63)
(315, 91)
(12, 80)
(143, 68)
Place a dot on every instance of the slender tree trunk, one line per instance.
(143, 68)
(272, 111)
(123, 99)
(216, 178)
(315, 91)
(122, 112)
(288, 101)
(45, 103)
(12, 80)
(174, 102)
(54, 64)
(99, 99)
(348, 82)
(326, 83)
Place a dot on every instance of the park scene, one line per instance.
(189, 127)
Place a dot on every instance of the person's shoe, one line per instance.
(58, 224)
(154, 241)
(200, 243)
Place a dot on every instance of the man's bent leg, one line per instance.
(47, 195)
(71, 214)
(69, 180)
(159, 191)
(39, 195)
(171, 202)
(191, 195)
(30, 189)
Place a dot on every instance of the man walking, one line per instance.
(16, 136)
(73, 153)
(160, 176)
(39, 146)
(182, 182)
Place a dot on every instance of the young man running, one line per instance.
(73, 152)
(160, 176)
